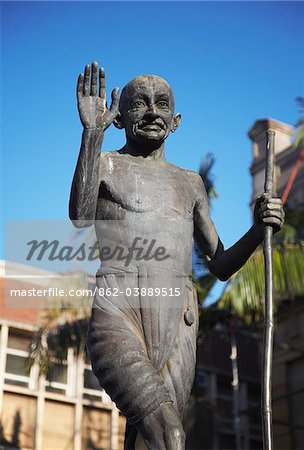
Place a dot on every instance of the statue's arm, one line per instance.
(95, 118)
(85, 185)
(225, 262)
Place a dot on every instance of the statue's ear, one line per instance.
(118, 122)
(176, 121)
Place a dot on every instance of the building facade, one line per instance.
(286, 157)
(288, 377)
(226, 396)
(64, 409)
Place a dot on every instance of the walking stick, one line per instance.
(268, 325)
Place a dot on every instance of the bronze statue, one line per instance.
(143, 343)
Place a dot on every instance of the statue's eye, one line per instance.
(162, 104)
(138, 104)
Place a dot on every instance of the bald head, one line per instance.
(140, 85)
(146, 110)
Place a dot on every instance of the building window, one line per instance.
(17, 370)
(254, 405)
(224, 387)
(224, 398)
(201, 379)
(225, 408)
(227, 441)
(56, 377)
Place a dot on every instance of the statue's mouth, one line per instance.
(157, 125)
(152, 127)
(150, 130)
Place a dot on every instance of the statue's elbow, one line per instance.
(82, 223)
(218, 271)
(78, 220)
(223, 276)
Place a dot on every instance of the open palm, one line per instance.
(92, 105)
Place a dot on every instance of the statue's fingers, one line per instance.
(277, 214)
(86, 84)
(274, 201)
(102, 84)
(270, 200)
(80, 86)
(115, 101)
(94, 78)
(273, 221)
(270, 206)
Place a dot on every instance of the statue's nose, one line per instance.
(151, 111)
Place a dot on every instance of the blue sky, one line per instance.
(229, 63)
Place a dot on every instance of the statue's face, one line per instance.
(147, 109)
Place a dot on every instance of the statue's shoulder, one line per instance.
(115, 155)
(190, 175)
(108, 161)
(110, 154)
(194, 181)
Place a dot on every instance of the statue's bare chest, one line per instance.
(143, 187)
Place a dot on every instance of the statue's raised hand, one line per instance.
(92, 105)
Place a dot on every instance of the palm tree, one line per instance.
(62, 326)
(245, 292)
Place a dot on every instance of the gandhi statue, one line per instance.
(142, 332)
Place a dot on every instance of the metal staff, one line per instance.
(268, 325)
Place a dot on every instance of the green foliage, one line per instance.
(245, 292)
(299, 141)
(207, 176)
(61, 326)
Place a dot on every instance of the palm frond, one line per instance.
(205, 173)
(203, 278)
(288, 234)
(204, 284)
(62, 325)
(60, 329)
(245, 291)
(300, 103)
(299, 141)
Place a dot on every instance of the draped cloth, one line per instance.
(142, 350)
